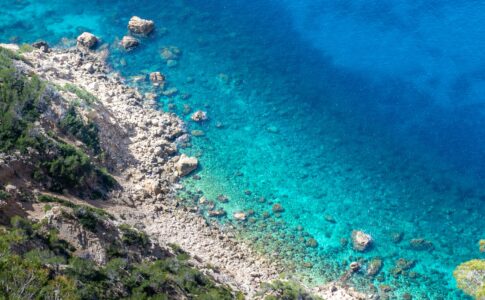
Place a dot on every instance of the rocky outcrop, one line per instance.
(199, 116)
(361, 241)
(87, 40)
(141, 26)
(129, 43)
(185, 165)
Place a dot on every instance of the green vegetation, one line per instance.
(133, 237)
(470, 277)
(100, 213)
(81, 93)
(73, 125)
(24, 48)
(285, 290)
(58, 165)
(20, 105)
(35, 264)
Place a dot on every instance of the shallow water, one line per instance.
(364, 113)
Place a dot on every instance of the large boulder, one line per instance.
(129, 43)
(361, 240)
(87, 40)
(141, 26)
(185, 165)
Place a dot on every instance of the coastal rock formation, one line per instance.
(361, 241)
(141, 26)
(87, 40)
(129, 43)
(199, 116)
(185, 165)
(42, 45)
(140, 148)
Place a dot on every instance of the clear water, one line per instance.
(365, 111)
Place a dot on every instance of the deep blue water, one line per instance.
(365, 111)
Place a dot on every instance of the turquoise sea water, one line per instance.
(350, 114)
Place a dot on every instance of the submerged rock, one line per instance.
(129, 43)
(361, 241)
(470, 277)
(374, 267)
(240, 216)
(223, 198)
(170, 53)
(277, 208)
(185, 165)
(354, 266)
(421, 245)
(87, 40)
(141, 26)
(199, 116)
(312, 243)
(157, 78)
(217, 213)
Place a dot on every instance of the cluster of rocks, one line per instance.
(137, 26)
(140, 145)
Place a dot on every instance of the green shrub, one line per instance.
(120, 278)
(4, 195)
(133, 237)
(81, 93)
(73, 125)
(285, 290)
(25, 48)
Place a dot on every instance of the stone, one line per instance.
(240, 216)
(41, 45)
(141, 26)
(172, 63)
(361, 241)
(354, 266)
(421, 245)
(312, 243)
(199, 116)
(374, 267)
(222, 198)
(185, 165)
(11, 189)
(481, 245)
(129, 43)
(157, 78)
(217, 213)
(170, 92)
(87, 40)
(170, 53)
(330, 219)
(277, 208)
(197, 132)
(397, 237)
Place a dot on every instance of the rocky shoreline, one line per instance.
(141, 147)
